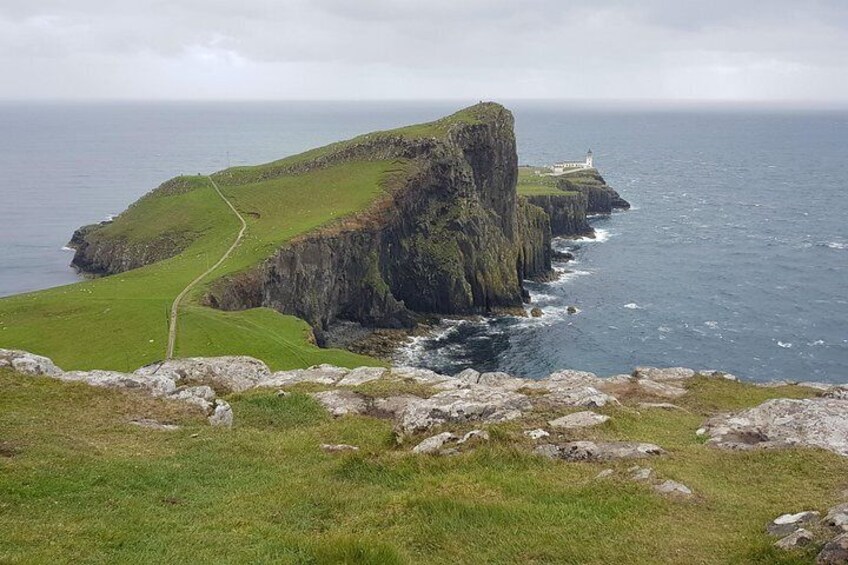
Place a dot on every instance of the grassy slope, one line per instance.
(263, 491)
(120, 322)
(530, 183)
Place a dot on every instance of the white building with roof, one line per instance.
(568, 166)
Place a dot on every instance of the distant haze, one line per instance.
(777, 50)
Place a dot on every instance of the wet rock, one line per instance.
(230, 373)
(153, 425)
(785, 524)
(663, 374)
(798, 538)
(361, 375)
(663, 390)
(837, 517)
(28, 363)
(536, 434)
(463, 405)
(435, 443)
(222, 415)
(156, 385)
(338, 447)
(536, 312)
(673, 488)
(834, 552)
(572, 310)
(601, 451)
(817, 422)
(341, 402)
(578, 420)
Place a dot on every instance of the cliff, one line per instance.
(601, 198)
(567, 212)
(452, 238)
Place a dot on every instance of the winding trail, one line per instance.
(175, 307)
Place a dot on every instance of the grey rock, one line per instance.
(501, 380)
(422, 376)
(156, 385)
(28, 363)
(572, 379)
(320, 374)
(718, 375)
(201, 396)
(834, 552)
(782, 422)
(662, 375)
(774, 383)
(673, 488)
(153, 425)
(474, 436)
(798, 538)
(362, 375)
(785, 524)
(641, 473)
(601, 451)
(463, 405)
(222, 415)
(585, 397)
(341, 402)
(232, 373)
(578, 420)
(538, 433)
(839, 392)
(663, 390)
(435, 443)
(837, 517)
(468, 376)
(338, 447)
(393, 406)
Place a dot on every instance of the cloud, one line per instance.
(720, 49)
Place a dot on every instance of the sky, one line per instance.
(723, 50)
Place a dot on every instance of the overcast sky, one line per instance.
(363, 49)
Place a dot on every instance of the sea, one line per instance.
(734, 255)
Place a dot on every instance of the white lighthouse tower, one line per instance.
(590, 159)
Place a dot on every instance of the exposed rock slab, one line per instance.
(341, 402)
(817, 422)
(663, 390)
(463, 405)
(663, 374)
(798, 538)
(157, 385)
(785, 524)
(578, 420)
(601, 451)
(232, 373)
(28, 363)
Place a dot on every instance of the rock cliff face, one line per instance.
(567, 213)
(600, 197)
(454, 240)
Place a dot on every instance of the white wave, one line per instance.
(784, 345)
(632, 306)
(817, 342)
(711, 324)
(601, 235)
(837, 245)
(66, 248)
(664, 330)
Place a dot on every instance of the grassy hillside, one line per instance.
(111, 492)
(120, 322)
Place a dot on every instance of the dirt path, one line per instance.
(175, 307)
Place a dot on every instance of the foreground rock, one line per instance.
(601, 451)
(578, 420)
(461, 406)
(787, 523)
(818, 422)
(835, 552)
(231, 373)
(673, 488)
(799, 538)
(28, 363)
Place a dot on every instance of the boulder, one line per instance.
(157, 385)
(785, 524)
(601, 451)
(538, 433)
(798, 538)
(834, 552)
(536, 312)
(782, 422)
(362, 375)
(28, 363)
(641, 473)
(663, 390)
(341, 402)
(837, 517)
(435, 443)
(201, 396)
(661, 375)
(578, 420)
(673, 488)
(230, 373)
(222, 415)
(460, 406)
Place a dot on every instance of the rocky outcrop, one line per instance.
(600, 451)
(783, 422)
(600, 197)
(567, 213)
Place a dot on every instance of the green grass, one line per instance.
(78, 484)
(531, 183)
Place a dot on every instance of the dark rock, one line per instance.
(834, 552)
(536, 312)
(571, 309)
(787, 523)
(600, 197)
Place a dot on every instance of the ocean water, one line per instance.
(734, 256)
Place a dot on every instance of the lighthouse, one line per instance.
(590, 159)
